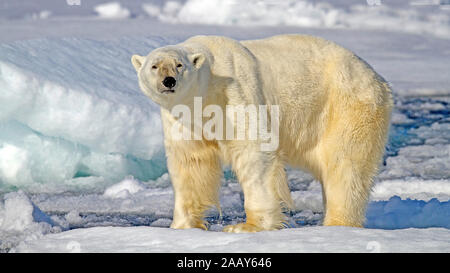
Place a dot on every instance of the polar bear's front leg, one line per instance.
(265, 188)
(195, 179)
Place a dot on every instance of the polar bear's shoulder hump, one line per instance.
(212, 42)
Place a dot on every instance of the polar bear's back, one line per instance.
(294, 61)
(289, 61)
(287, 43)
(295, 49)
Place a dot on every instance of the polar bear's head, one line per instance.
(171, 75)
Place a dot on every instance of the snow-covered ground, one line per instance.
(82, 166)
(307, 239)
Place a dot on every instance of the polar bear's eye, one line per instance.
(179, 65)
(154, 67)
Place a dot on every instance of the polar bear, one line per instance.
(334, 113)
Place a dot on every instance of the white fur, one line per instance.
(334, 119)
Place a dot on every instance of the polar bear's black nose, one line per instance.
(169, 82)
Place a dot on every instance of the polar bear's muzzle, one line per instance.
(169, 82)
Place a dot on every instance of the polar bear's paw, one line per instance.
(242, 228)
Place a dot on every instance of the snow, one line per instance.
(304, 14)
(82, 164)
(21, 220)
(19, 213)
(399, 118)
(309, 199)
(307, 239)
(412, 188)
(124, 188)
(112, 10)
(426, 161)
(79, 101)
(58, 126)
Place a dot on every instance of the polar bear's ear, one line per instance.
(137, 61)
(197, 59)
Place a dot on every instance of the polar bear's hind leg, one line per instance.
(350, 151)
